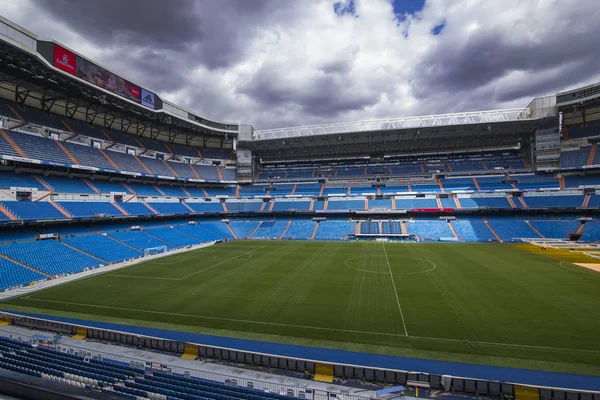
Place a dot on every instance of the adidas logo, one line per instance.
(148, 99)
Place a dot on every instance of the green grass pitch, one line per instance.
(519, 308)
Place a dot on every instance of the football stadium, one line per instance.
(149, 252)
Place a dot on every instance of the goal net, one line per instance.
(155, 250)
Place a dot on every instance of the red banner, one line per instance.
(65, 60)
(432, 210)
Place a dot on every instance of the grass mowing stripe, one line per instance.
(320, 328)
(513, 304)
(395, 290)
(192, 274)
(215, 318)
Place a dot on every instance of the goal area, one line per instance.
(155, 250)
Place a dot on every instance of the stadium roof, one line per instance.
(440, 120)
(29, 64)
(509, 128)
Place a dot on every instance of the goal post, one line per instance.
(155, 250)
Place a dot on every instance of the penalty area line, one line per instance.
(190, 275)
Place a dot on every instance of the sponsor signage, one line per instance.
(98, 76)
(147, 99)
(65, 60)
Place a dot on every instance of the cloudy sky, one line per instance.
(277, 63)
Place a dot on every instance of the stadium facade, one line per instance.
(97, 170)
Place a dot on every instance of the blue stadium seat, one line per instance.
(49, 256)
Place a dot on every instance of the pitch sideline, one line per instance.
(311, 327)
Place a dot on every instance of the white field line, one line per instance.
(190, 275)
(309, 327)
(395, 290)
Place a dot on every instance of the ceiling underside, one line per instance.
(379, 143)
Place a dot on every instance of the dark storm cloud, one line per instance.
(327, 93)
(278, 63)
(212, 33)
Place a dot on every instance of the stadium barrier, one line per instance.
(281, 388)
(463, 385)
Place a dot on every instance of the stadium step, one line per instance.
(393, 203)
(294, 189)
(67, 152)
(13, 144)
(17, 114)
(357, 228)
(224, 205)
(485, 221)
(237, 192)
(188, 207)
(366, 204)
(255, 229)
(205, 192)
(561, 181)
(326, 204)
(476, 183)
(171, 169)
(439, 202)
(511, 202)
(94, 188)
(150, 208)
(586, 200)
(453, 231)
(84, 252)
(322, 188)
(107, 136)
(9, 214)
(534, 229)
(147, 232)
(69, 128)
(522, 200)
(143, 165)
(441, 186)
(262, 206)
(449, 166)
(194, 171)
(170, 151)
(232, 231)
(159, 190)
(118, 207)
(580, 228)
(404, 228)
(110, 161)
(271, 205)
(312, 237)
(219, 173)
(484, 165)
(61, 210)
(123, 243)
(457, 202)
(144, 149)
(592, 155)
(43, 183)
(19, 263)
(184, 190)
(286, 229)
(200, 154)
(312, 205)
